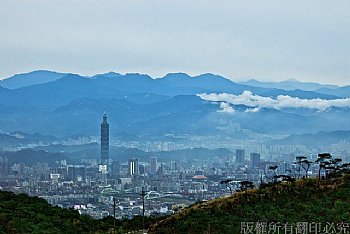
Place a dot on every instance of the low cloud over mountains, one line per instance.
(140, 106)
(247, 98)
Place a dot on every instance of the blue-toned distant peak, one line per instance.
(73, 76)
(290, 84)
(298, 93)
(118, 75)
(185, 79)
(177, 75)
(341, 92)
(110, 74)
(251, 81)
(210, 75)
(292, 80)
(70, 77)
(214, 77)
(3, 89)
(137, 76)
(68, 81)
(179, 80)
(30, 78)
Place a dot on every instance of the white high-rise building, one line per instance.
(133, 166)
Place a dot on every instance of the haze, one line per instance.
(266, 40)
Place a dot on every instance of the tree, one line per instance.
(322, 160)
(334, 167)
(345, 168)
(328, 167)
(298, 162)
(286, 178)
(274, 168)
(305, 164)
(245, 185)
(227, 183)
(292, 173)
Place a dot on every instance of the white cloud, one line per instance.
(252, 110)
(226, 108)
(282, 101)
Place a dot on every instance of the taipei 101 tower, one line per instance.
(104, 140)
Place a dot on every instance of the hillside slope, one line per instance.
(23, 214)
(30, 78)
(273, 206)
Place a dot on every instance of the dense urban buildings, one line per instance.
(171, 180)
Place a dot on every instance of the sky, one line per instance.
(270, 40)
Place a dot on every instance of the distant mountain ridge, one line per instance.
(290, 84)
(293, 84)
(30, 78)
(139, 105)
(171, 79)
(71, 86)
(341, 92)
(316, 139)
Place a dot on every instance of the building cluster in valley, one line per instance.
(93, 186)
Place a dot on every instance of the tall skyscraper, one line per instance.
(104, 140)
(153, 165)
(240, 155)
(133, 167)
(76, 171)
(115, 169)
(255, 159)
(173, 166)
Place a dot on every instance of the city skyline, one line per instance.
(180, 116)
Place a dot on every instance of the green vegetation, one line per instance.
(24, 214)
(292, 202)
(285, 200)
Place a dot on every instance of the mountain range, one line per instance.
(290, 84)
(31, 78)
(293, 84)
(138, 105)
(70, 87)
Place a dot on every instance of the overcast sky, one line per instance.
(263, 39)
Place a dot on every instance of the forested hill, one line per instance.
(273, 206)
(23, 214)
(279, 206)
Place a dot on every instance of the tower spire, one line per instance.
(104, 140)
